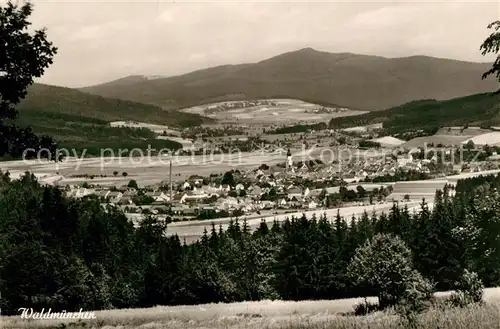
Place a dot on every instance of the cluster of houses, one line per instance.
(192, 197)
(237, 105)
(275, 188)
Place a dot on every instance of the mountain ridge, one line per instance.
(356, 81)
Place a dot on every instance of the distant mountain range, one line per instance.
(350, 80)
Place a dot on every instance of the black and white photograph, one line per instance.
(249, 164)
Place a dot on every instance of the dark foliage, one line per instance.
(67, 253)
(23, 57)
(418, 116)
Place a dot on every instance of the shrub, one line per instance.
(468, 290)
(385, 264)
(365, 308)
(417, 297)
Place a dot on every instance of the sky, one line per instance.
(100, 41)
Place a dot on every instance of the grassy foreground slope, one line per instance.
(321, 314)
(350, 80)
(479, 109)
(81, 121)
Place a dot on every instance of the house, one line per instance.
(312, 205)
(227, 204)
(191, 197)
(314, 194)
(361, 174)
(184, 211)
(259, 173)
(103, 194)
(186, 186)
(349, 175)
(210, 189)
(404, 159)
(158, 196)
(247, 207)
(195, 180)
(240, 187)
(81, 192)
(126, 200)
(267, 205)
(295, 204)
(114, 197)
(294, 194)
(255, 192)
(130, 192)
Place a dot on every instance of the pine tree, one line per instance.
(262, 230)
(440, 253)
(394, 221)
(213, 239)
(481, 231)
(365, 228)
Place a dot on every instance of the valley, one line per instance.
(308, 189)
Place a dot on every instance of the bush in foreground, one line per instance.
(385, 264)
(469, 290)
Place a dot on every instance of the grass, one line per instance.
(276, 314)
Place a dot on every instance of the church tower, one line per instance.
(289, 161)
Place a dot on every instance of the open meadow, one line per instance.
(145, 170)
(282, 111)
(150, 170)
(268, 314)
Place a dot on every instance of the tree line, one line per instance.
(68, 253)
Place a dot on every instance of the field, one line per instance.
(389, 141)
(363, 129)
(446, 140)
(490, 138)
(146, 171)
(268, 314)
(284, 111)
(155, 169)
(157, 129)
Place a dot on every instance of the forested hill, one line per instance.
(67, 101)
(479, 109)
(79, 121)
(350, 80)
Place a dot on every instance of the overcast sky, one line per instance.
(103, 40)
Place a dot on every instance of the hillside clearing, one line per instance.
(491, 139)
(278, 111)
(446, 140)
